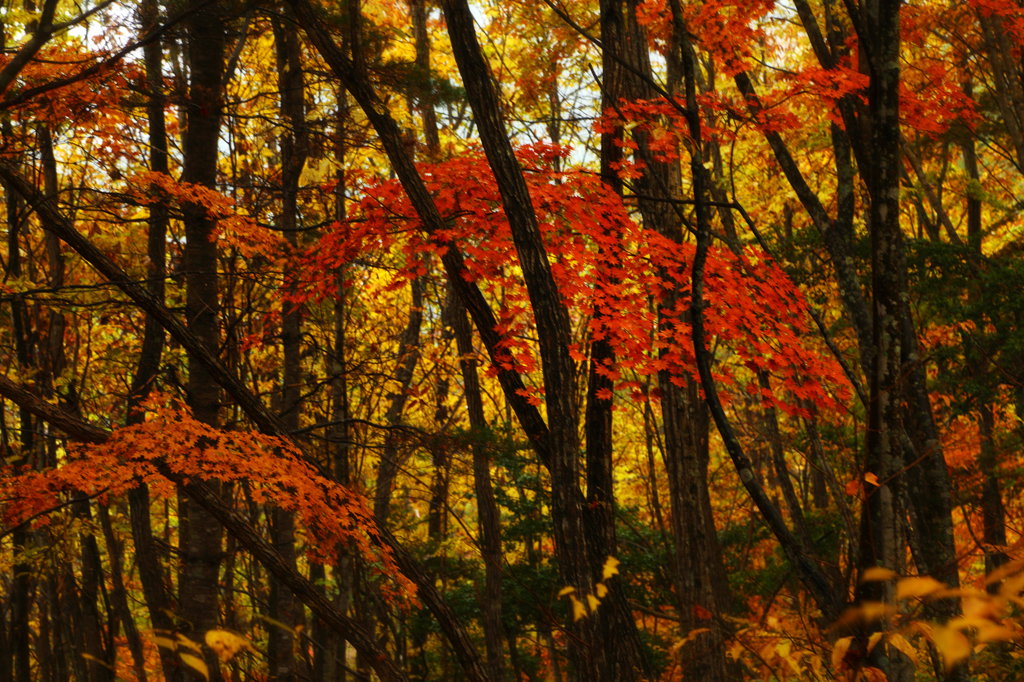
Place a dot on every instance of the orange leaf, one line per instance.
(701, 613)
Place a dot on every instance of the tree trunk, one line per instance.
(880, 520)
(151, 572)
(418, 16)
(340, 415)
(200, 580)
(408, 357)
(553, 330)
(115, 552)
(698, 577)
(21, 577)
(487, 508)
(291, 89)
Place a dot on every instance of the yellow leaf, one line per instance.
(197, 664)
(952, 644)
(611, 567)
(594, 602)
(96, 660)
(871, 611)
(601, 590)
(871, 478)
(785, 651)
(903, 646)
(226, 644)
(693, 634)
(865, 613)
(1004, 570)
(578, 609)
(918, 586)
(816, 666)
(965, 622)
(922, 627)
(877, 574)
(566, 590)
(839, 651)
(994, 632)
(186, 642)
(873, 640)
(1011, 587)
(873, 675)
(277, 623)
(166, 643)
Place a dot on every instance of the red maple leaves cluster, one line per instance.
(603, 261)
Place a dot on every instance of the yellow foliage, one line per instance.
(917, 586)
(877, 574)
(839, 650)
(611, 567)
(578, 609)
(197, 664)
(1003, 571)
(951, 644)
(897, 641)
(226, 644)
(873, 675)
(867, 612)
(192, 660)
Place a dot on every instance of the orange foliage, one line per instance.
(275, 471)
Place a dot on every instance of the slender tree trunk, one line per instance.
(151, 572)
(115, 552)
(992, 509)
(71, 620)
(99, 662)
(53, 360)
(200, 580)
(418, 15)
(408, 358)
(21, 578)
(335, 661)
(880, 520)
(621, 37)
(439, 485)
(291, 88)
(1009, 90)
(391, 456)
(6, 651)
(489, 518)
(552, 327)
(701, 592)
(774, 437)
(61, 643)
